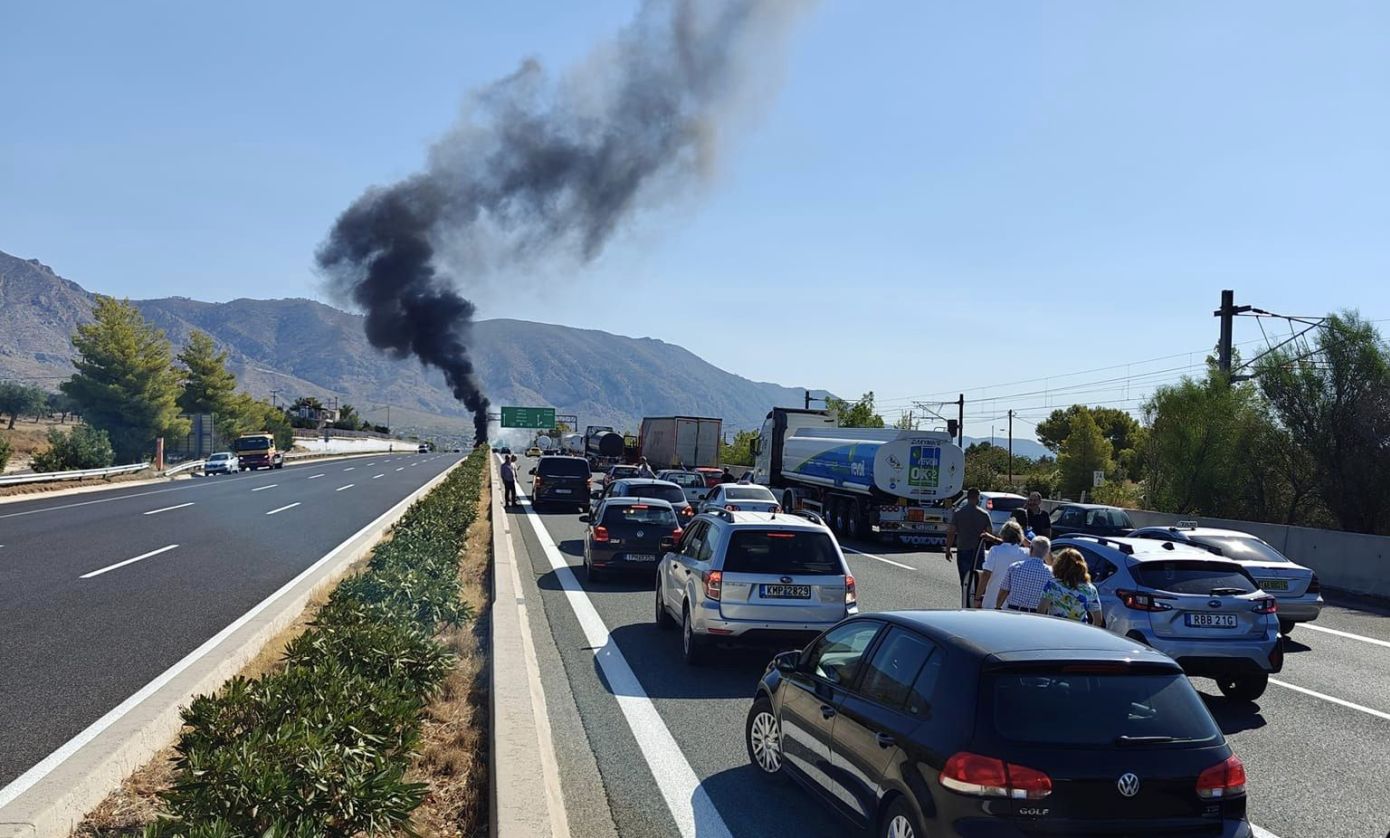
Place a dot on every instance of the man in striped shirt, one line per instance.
(1023, 582)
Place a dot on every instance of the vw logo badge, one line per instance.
(640, 533)
(1128, 784)
(786, 580)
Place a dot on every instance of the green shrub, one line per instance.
(81, 447)
(6, 450)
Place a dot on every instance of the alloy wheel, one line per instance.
(900, 827)
(765, 740)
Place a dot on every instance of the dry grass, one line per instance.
(27, 437)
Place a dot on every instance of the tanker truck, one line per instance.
(602, 447)
(863, 481)
(572, 444)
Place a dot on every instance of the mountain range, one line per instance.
(297, 347)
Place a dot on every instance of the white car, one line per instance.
(999, 505)
(740, 497)
(223, 462)
(692, 484)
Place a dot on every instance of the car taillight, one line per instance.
(688, 511)
(677, 533)
(1315, 587)
(600, 533)
(536, 484)
(714, 584)
(969, 773)
(1136, 601)
(732, 507)
(1225, 779)
(851, 595)
(1267, 605)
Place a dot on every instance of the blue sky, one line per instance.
(937, 197)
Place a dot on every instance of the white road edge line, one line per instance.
(879, 558)
(263, 488)
(1380, 714)
(1346, 634)
(167, 508)
(283, 508)
(123, 564)
(348, 486)
(690, 805)
(1261, 832)
(315, 476)
(44, 767)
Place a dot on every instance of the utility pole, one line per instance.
(960, 421)
(1011, 450)
(273, 393)
(1227, 313)
(808, 399)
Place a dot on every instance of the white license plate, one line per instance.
(784, 591)
(641, 557)
(1274, 584)
(1223, 621)
(564, 491)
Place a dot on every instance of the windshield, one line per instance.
(220, 457)
(253, 443)
(1058, 707)
(1193, 577)
(670, 494)
(639, 513)
(799, 552)
(1245, 549)
(623, 471)
(563, 467)
(749, 493)
(1006, 504)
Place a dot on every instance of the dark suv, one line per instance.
(1090, 519)
(986, 723)
(561, 481)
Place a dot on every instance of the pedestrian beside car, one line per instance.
(645, 470)
(727, 477)
(998, 560)
(1069, 593)
(1023, 583)
(508, 481)
(1033, 518)
(969, 528)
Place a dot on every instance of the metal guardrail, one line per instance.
(181, 467)
(52, 476)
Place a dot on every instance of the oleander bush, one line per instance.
(321, 747)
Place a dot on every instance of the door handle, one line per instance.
(826, 711)
(884, 740)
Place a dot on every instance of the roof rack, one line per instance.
(724, 514)
(1127, 549)
(807, 514)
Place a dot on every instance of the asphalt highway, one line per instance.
(667, 739)
(101, 592)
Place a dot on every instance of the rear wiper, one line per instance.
(1228, 591)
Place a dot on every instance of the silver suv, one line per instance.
(1202, 610)
(753, 577)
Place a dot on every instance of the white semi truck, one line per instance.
(862, 481)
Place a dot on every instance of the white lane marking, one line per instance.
(348, 486)
(283, 508)
(263, 488)
(370, 464)
(1261, 832)
(402, 468)
(126, 562)
(315, 476)
(168, 508)
(1330, 698)
(375, 476)
(45, 766)
(349, 468)
(1346, 634)
(879, 558)
(689, 803)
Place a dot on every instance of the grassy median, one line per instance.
(374, 721)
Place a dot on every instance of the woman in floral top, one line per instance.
(1069, 593)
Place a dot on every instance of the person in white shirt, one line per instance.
(1023, 582)
(997, 560)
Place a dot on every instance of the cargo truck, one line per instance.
(862, 481)
(602, 447)
(679, 441)
(255, 451)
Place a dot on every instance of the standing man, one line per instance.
(1032, 517)
(644, 470)
(508, 482)
(969, 527)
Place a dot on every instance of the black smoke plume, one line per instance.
(538, 169)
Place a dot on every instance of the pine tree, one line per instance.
(209, 387)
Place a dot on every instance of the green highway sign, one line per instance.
(540, 418)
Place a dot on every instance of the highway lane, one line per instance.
(1316, 766)
(84, 627)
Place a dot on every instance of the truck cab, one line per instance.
(255, 451)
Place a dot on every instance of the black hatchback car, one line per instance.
(1090, 519)
(987, 723)
(629, 534)
(561, 481)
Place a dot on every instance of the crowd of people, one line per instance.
(1020, 572)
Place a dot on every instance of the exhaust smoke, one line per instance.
(540, 168)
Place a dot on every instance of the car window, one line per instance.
(1101, 568)
(563, 467)
(1068, 515)
(694, 539)
(749, 493)
(1188, 577)
(706, 551)
(1111, 518)
(894, 667)
(806, 552)
(638, 513)
(670, 494)
(1082, 709)
(1006, 504)
(1245, 549)
(685, 479)
(924, 688)
(838, 653)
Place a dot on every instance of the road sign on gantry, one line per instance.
(537, 418)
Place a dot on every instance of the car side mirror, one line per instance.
(787, 662)
(533, 471)
(583, 519)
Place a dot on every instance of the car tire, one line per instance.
(1286, 627)
(900, 822)
(853, 521)
(762, 736)
(1243, 686)
(592, 573)
(663, 616)
(692, 644)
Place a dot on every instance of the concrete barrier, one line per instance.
(352, 445)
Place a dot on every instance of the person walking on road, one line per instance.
(1022, 585)
(1069, 593)
(1033, 518)
(508, 481)
(969, 527)
(644, 470)
(727, 476)
(998, 560)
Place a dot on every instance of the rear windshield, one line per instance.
(1193, 577)
(798, 552)
(623, 471)
(670, 494)
(1112, 518)
(748, 493)
(563, 467)
(1244, 549)
(1064, 708)
(256, 443)
(639, 513)
(1007, 504)
(686, 479)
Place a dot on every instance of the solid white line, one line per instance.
(348, 486)
(283, 508)
(167, 508)
(1261, 832)
(124, 563)
(375, 476)
(879, 558)
(315, 476)
(44, 767)
(1333, 699)
(263, 488)
(1346, 634)
(689, 803)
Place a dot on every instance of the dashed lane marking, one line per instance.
(283, 508)
(263, 488)
(140, 557)
(168, 508)
(348, 486)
